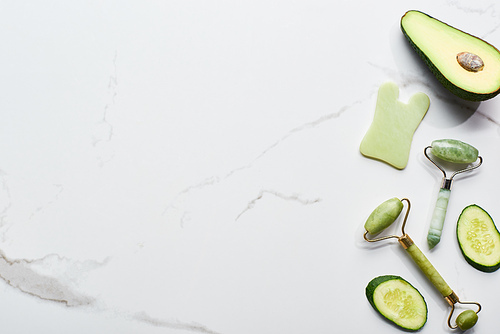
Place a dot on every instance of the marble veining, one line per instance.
(22, 274)
(103, 132)
(421, 80)
(190, 327)
(58, 189)
(215, 179)
(4, 199)
(293, 197)
(194, 167)
(476, 9)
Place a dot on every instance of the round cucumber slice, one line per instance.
(479, 238)
(398, 301)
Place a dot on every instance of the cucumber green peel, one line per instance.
(479, 238)
(381, 218)
(398, 301)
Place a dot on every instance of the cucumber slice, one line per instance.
(479, 239)
(398, 301)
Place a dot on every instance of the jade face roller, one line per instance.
(381, 218)
(455, 152)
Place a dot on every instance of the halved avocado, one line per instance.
(466, 65)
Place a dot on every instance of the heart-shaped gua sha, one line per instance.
(390, 135)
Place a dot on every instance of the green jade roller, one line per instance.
(455, 152)
(381, 218)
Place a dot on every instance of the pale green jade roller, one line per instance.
(381, 218)
(455, 152)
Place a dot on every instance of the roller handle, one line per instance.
(429, 270)
(466, 319)
(438, 216)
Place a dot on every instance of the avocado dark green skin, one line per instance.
(462, 93)
(478, 266)
(374, 283)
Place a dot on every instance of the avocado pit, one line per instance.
(470, 61)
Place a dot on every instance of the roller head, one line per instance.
(384, 215)
(455, 151)
(466, 320)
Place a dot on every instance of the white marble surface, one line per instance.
(193, 166)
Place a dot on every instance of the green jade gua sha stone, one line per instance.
(390, 135)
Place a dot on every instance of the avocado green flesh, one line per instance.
(398, 301)
(438, 44)
(479, 239)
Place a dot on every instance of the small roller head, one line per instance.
(466, 320)
(384, 215)
(455, 151)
